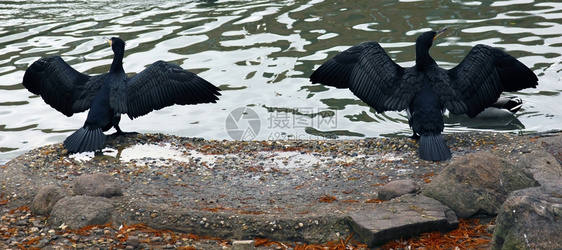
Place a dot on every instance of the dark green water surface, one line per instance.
(261, 54)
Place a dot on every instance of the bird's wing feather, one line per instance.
(160, 85)
(61, 86)
(483, 74)
(85, 94)
(441, 85)
(371, 75)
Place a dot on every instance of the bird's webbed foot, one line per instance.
(415, 136)
(120, 132)
(125, 133)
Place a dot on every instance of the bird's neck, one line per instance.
(117, 64)
(423, 59)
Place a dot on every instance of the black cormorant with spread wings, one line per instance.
(426, 90)
(111, 94)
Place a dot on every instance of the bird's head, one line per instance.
(116, 43)
(423, 43)
(425, 40)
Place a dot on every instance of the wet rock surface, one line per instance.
(293, 191)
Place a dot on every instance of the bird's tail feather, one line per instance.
(434, 148)
(84, 140)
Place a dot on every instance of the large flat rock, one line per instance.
(306, 191)
(402, 218)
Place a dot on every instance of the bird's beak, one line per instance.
(439, 32)
(108, 40)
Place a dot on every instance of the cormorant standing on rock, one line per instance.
(111, 94)
(426, 90)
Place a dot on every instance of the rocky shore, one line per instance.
(160, 191)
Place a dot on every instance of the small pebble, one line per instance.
(133, 241)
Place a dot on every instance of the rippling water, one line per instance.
(261, 54)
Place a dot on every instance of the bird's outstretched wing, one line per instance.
(61, 86)
(371, 75)
(160, 85)
(484, 74)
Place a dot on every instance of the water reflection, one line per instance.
(496, 123)
(261, 54)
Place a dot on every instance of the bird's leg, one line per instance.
(119, 131)
(116, 119)
(415, 136)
